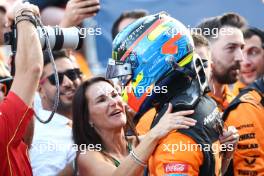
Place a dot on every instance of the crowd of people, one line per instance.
(206, 121)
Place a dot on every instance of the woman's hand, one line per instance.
(172, 121)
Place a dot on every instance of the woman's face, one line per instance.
(107, 110)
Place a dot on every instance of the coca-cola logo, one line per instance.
(175, 167)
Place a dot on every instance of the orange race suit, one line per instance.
(189, 151)
(237, 87)
(185, 151)
(228, 96)
(246, 113)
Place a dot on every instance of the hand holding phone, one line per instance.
(77, 10)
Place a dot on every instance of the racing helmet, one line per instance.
(145, 57)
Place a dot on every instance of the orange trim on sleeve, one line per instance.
(7, 148)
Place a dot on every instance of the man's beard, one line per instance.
(64, 108)
(226, 77)
(65, 104)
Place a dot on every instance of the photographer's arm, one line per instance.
(29, 63)
(29, 59)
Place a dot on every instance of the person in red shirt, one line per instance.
(15, 110)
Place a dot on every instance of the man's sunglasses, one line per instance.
(72, 74)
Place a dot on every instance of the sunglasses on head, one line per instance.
(72, 74)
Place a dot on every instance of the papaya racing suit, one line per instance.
(246, 113)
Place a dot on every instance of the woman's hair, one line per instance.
(83, 132)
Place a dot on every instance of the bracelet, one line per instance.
(137, 160)
(26, 18)
(23, 11)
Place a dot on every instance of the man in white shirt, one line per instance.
(52, 147)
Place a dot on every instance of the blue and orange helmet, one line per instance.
(145, 53)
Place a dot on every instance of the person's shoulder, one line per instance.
(92, 162)
(252, 97)
(89, 157)
(83, 155)
(247, 100)
(15, 99)
(247, 105)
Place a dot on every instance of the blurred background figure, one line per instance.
(2, 22)
(67, 13)
(97, 48)
(126, 18)
(188, 11)
(4, 85)
(3, 29)
(4, 72)
(252, 67)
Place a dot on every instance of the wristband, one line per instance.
(137, 160)
(26, 18)
(23, 11)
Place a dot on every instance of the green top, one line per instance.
(116, 162)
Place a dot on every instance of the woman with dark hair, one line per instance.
(99, 124)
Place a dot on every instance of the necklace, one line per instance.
(115, 161)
